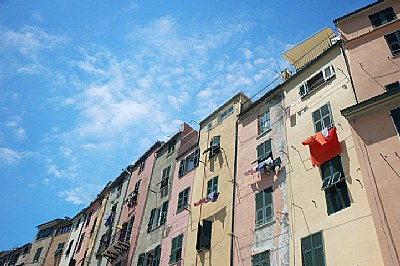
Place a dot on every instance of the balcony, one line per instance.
(113, 247)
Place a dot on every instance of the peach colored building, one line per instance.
(371, 37)
(58, 244)
(261, 232)
(175, 230)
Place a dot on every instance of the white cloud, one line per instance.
(46, 182)
(36, 16)
(20, 133)
(83, 194)
(10, 157)
(247, 53)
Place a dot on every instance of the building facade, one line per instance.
(329, 213)
(375, 117)
(58, 243)
(261, 231)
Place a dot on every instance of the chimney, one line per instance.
(285, 75)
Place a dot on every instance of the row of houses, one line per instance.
(307, 174)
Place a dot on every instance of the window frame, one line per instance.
(396, 34)
(264, 126)
(258, 260)
(267, 199)
(184, 166)
(306, 87)
(312, 250)
(212, 185)
(215, 146)
(321, 119)
(380, 15)
(176, 249)
(396, 121)
(183, 199)
(267, 149)
(37, 255)
(142, 165)
(392, 86)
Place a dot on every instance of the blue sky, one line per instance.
(87, 86)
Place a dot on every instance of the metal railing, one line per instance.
(314, 52)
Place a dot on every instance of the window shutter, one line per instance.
(303, 89)
(199, 234)
(151, 220)
(141, 260)
(396, 118)
(269, 213)
(180, 200)
(329, 200)
(307, 254)
(206, 236)
(328, 72)
(182, 168)
(164, 213)
(260, 151)
(196, 157)
(259, 208)
(318, 249)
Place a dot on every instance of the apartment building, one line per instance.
(371, 37)
(261, 228)
(209, 234)
(58, 243)
(16, 256)
(329, 215)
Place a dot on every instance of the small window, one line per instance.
(303, 89)
(137, 186)
(59, 249)
(37, 255)
(382, 17)
(215, 146)
(264, 150)
(264, 123)
(142, 165)
(393, 41)
(328, 72)
(204, 235)
(183, 199)
(264, 207)
(176, 249)
(335, 186)
(165, 181)
(88, 219)
(212, 185)
(69, 247)
(322, 118)
(129, 229)
(171, 145)
(261, 259)
(314, 82)
(227, 112)
(188, 163)
(157, 217)
(392, 86)
(396, 118)
(80, 243)
(312, 250)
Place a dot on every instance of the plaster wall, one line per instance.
(344, 237)
(74, 236)
(272, 236)
(51, 259)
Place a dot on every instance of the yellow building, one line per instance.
(330, 219)
(210, 223)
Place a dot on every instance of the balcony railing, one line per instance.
(113, 246)
(314, 52)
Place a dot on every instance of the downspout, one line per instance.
(234, 189)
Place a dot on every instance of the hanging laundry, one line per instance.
(322, 149)
(213, 196)
(251, 171)
(276, 165)
(260, 166)
(200, 201)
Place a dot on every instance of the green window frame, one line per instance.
(215, 144)
(183, 198)
(312, 250)
(264, 206)
(212, 185)
(264, 122)
(395, 114)
(176, 249)
(261, 259)
(322, 118)
(165, 182)
(335, 186)
(382, 17)
(37, 254)
(393, 41)
(188, 163)
(263, 150)
(204, 235)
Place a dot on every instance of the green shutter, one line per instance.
(157, 253)
(172, 256)
(164, 213)
(260, 151)
(312, 250)
(180, 200)
(182, 168)
(259, 208)
(141, 260)
(196, 157)
(269, 213)
(206, 234)
(151, 220)
(199, 234)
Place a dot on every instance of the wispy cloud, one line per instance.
(10, 157)
(79, 195)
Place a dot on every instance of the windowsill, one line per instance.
(339, 211)
(264, 133)
(182, 209)
(175, 262)
(259, 227)
(395, 56)
(384, 25)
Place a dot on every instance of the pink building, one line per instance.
(261, 233)
(371, 36)
(176, 225)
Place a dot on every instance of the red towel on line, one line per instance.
(322, 149)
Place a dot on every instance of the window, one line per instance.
(69, 247)
(312, 250)
(77, 224)
(264, 150)
(37, 255)
(396, 118)
(59, 249)
(322, 118)
(382, 17)
(151, 258)
(264, 123)
(88, 218)
(225, 113)
(122, 232)
(204, 235)
(171, 145)
(176, 249)
(80, 243)
(215, 146)
(316, 81)
(212, 185)
(45, 233)
(392, 86)
(64, 230)
(137, 185)
(142, 164)
(393, 41)
(129, 229)
(157, 217)
(183, 199)
(165, 181)
(188, 163)
(264, 207)
(261, 259)
(334, 184)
